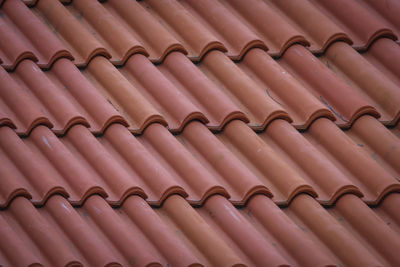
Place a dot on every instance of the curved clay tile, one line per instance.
(125, 98)
(193, 84)
(263, 162)
(198, 234)
(79, 41)
(157, 181)
(11, 55)
(284, 89)
(17, 108)
(227, 27)
(48, 246)
(388, 211)
(189, 31)
(115, 179)
(61, 97)
(343, 100)
(366, 80)
(384, 54)
(175, 106)
(108, 31)
(287, 237)
(38, 41)
(267, 24)
(259, 107)
(94, 107)
(89, 247)
(124, 238)
(172, 158)
(237, 179)
(318, 30)
(362, 26)
(358, 164)
(380, 143)
(5, 121)
(240, 234)
(52, 99)
(63, 167)
(388, 10)
(342, 243)
(158, 233)
(319, 176)
(14, 249)
(374, 232)
(157, 41)
(22, 173)
(91, 235)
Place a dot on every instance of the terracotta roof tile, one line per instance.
(133, 30)
(24, 36)
(246, 94)
(216, 234)
(211, 133)
(346, 104)
(355, 18)
(58, 98)
(365, 79)
(302, 106)
(180, 23)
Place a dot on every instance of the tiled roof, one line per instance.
(200, 133)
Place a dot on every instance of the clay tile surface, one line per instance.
(217, 234)
(199, 133)
(23, 35)
(173, 93)
(357, 20)
(366, 79)
(58, 98)
(181, 24)
(345, 102)
(125, 28)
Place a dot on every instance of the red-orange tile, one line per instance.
(356, 20)
(260, 108)
(302, 106)
(24, 36)
(372, 178)
(343, 100)
(381, 144)
(144, 93)
(58, 98)
(194, 36)
(318, 30)
(128, 29)
(365, 79)
(346, 236)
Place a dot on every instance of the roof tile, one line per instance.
(133, 30)
(215, 234)
(58, 98)
(356, 20)
(245, 93)
(284, 89)
(27, 37)
(367, 80)
(196, 39)
(318, 30)
(67, 28)
(336, 94)
(247, 160)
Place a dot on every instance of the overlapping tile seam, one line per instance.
(356, 98)
(330, 107)
(372, 28)
(236, 163)
(248, 236)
